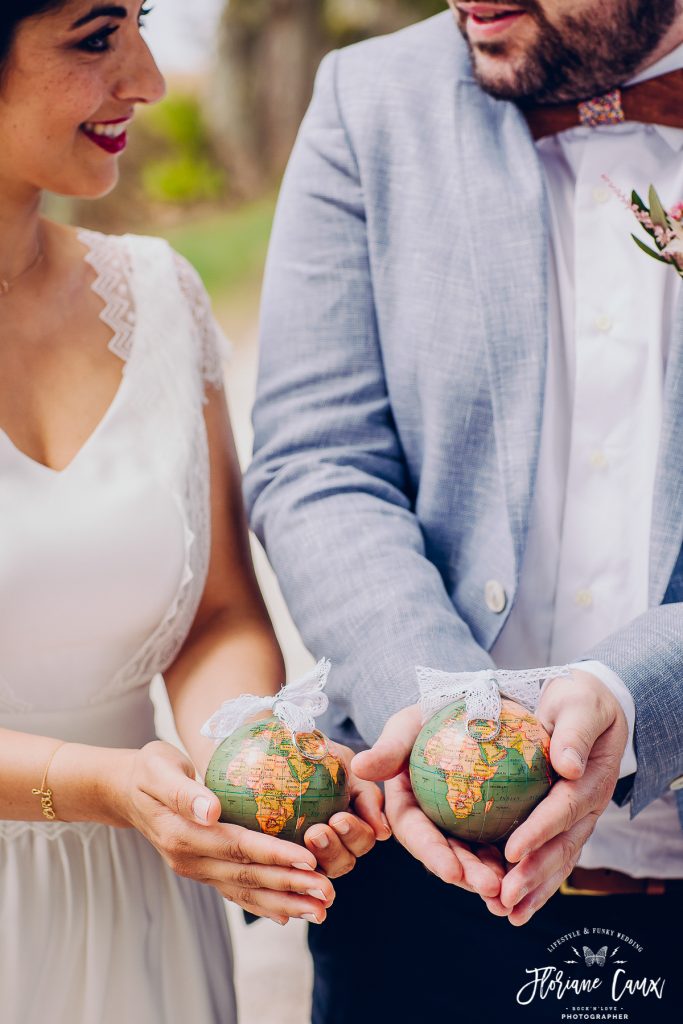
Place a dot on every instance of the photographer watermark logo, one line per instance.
(598, 977)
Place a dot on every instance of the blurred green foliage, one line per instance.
(182, 179)
(186, 169)
(347, 20)
(228, 249)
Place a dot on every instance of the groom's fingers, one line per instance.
(558, 855)
(527, 907)
(392, 750)
(452, 861)
(478, 876)
(418, 835)
(492, 860)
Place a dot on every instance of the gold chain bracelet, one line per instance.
(46, 794)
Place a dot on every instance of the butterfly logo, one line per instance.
(590, 958)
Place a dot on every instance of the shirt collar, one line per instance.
(671, 62)
(672, 136)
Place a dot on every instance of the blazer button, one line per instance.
(495, 596)
(677, 783)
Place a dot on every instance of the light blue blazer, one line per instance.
(404, 339)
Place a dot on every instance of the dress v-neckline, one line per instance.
(42, 467)
(120, 344)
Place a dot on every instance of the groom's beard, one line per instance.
(582, 55)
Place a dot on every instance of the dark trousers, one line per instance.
(401, 946)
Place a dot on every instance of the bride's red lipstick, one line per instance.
(110, 140)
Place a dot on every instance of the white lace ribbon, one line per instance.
(482, 690)
(296, 705)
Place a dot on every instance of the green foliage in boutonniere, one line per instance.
(665, 227)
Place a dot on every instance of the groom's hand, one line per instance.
(588, 736)
(452, 861)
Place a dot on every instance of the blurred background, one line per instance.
(202, 169)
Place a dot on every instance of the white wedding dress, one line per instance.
(102, 566)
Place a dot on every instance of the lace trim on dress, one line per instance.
(112, 265)
(213, 346)
(10, 830)
(192, 494)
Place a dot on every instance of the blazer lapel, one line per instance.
(666, 537)
(505, 205)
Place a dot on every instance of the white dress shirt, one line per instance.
(585, 571)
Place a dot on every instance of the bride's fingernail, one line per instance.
(303, 867)
(317, 894)
(311, 918)
(200, 809)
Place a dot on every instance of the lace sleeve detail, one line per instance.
(214, 347)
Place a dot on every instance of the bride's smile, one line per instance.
(69, 91)
(108, 135)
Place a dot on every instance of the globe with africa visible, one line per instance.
(268, 783)
(473, 784)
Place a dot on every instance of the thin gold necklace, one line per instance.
(7, 283)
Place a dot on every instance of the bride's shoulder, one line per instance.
(128, 258)
(115, 244)
(130, 251)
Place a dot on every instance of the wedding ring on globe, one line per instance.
(483, 730)
(311, 745)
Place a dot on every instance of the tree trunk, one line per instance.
(268, 53)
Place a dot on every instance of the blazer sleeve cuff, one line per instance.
(616, 685)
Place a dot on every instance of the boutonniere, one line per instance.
(665, 227)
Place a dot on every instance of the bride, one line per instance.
(123, 553)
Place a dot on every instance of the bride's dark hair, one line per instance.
(16, 11)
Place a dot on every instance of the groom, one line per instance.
(468, 454)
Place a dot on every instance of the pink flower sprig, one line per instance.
(664, 227)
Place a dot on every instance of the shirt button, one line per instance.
(584, 598)
(495, 596)
(600, 194)
(598, 459)
(677, 783)
(603, 323)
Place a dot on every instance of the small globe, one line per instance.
(477, 786)
(268, 784)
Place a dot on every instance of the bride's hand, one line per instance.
(349, 835)
(269, 877)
